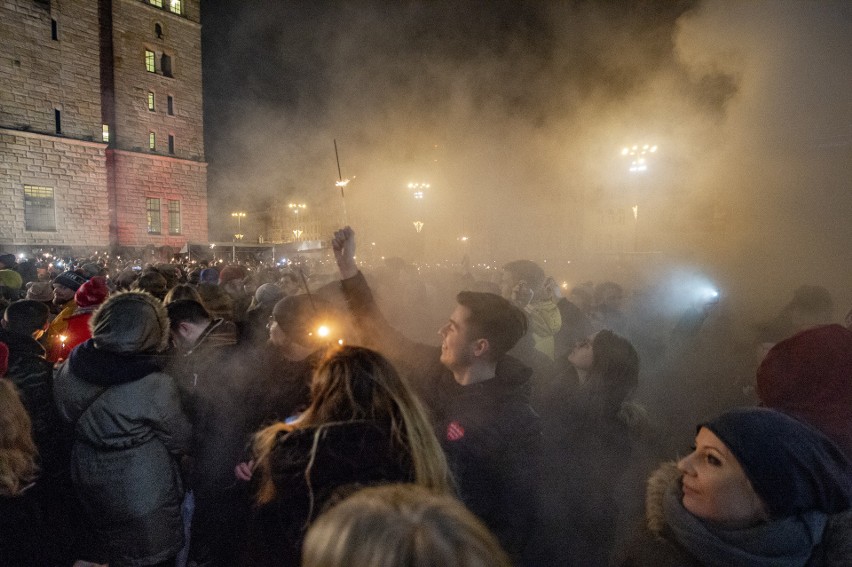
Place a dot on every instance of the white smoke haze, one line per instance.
(515, 113)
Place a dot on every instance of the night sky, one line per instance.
(515, 112)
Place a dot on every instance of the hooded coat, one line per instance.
(128, 429)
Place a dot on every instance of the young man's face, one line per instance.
(457, 344)
(62, 294)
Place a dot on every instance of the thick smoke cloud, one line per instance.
(515, 113)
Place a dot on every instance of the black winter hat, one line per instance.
(8, 260)
(71, 280)
(793, 467)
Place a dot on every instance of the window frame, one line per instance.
(33, 211)
(167, 65)
(152, 141)
(153, 215)
(150, 61)
(175, 221)
(152, 102)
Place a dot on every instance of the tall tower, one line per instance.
(101, 134)
(152, 108)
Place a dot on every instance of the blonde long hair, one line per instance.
(17, 449)
(354, 384)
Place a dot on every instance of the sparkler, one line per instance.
(342, 183)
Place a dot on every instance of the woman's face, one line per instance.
(583, 356)
(715, 487)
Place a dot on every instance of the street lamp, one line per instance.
(297, 233)
(418, 189)
(239, 215)
(297, 208)
(638, 155)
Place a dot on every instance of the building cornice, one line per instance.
(155, 157)
(53, 138)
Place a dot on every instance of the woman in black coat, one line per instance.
(759, 489)
(364, 427)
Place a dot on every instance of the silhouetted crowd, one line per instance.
(185, 414)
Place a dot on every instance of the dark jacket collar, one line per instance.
(20, 344)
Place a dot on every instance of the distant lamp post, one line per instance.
(638, 155)
(297, 210)
(239, 215)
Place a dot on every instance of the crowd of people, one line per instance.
(208, 415)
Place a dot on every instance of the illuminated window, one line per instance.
(171, 144)
(152, 141)
(170, 105)
(149, 61)
(174, 217)
(152, 214)
(175, 6)
(105, 134)
(166, 65)
(157, 3)
(39, 208)
(150, 101)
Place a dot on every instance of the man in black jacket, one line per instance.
(478, 396)
(24, 322)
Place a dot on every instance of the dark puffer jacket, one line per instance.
(32, 374)
(129, 431)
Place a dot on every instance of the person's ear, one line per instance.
(4, 323)
(481, 347)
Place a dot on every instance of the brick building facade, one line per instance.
(101, 134)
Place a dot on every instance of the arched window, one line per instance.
(158, 31)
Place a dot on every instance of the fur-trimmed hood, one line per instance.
(658, 483)
(131, 322)
(835, 550)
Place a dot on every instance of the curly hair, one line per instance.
(17, 449)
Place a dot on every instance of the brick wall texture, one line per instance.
(100, 189)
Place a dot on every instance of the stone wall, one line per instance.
(76, 171)
(134, 24)
(40, 75)
(142, 176)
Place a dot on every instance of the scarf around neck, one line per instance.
(106, 368)
(783, 542)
